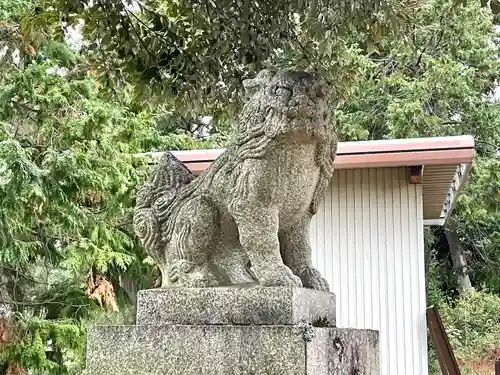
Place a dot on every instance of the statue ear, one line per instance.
(254, 84)
(251, 86)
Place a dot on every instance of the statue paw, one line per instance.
(187, 274)
(312, 279)
(179, 268)
(277, 276)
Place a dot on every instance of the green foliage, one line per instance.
(23, 28)
(431, 83)
(13, 10)
(41, 343)
(478, 223)
(67, 168)
(67, 180)
(472, 323)
(197, 52)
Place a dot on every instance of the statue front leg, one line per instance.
(258, 235)
(296, 253)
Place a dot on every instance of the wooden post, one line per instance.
(497, 367)
(444, 352)
(415, 174)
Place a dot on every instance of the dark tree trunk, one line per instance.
(427, 263)
(458, 259)
(429, 239)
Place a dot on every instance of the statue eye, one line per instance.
(283, 91)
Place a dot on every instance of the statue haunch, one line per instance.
(246, 218)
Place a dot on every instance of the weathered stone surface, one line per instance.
(231, 305)
(230, 350)
(343, 351)
(246, 218)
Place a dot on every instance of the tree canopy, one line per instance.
(195, 53)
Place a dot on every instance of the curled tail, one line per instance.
(169, 175)
(153, 201)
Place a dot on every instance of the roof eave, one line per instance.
(437, 151)
(457, 185)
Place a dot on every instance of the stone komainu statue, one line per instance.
(246, 218)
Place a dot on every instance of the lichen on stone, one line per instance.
(245, 219)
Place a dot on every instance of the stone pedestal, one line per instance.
(233, 331)
(236, 306)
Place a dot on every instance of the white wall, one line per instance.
(367, 240)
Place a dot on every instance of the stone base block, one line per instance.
(231, 350)
(237, 306)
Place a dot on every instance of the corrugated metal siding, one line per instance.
(367, 240)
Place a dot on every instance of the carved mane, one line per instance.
(257, 128)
